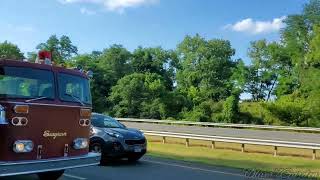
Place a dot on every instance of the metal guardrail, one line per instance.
(225, 125)
(242, 141)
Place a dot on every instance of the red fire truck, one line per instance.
(44, 119)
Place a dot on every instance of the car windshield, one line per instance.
(74, 89)
(21, 82)
(105, 122)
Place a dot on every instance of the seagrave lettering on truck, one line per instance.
(54, 135)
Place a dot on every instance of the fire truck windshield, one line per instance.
(35, 84)
(20, 82)
(74, 89)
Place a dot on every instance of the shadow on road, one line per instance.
(115, 163)
(22, 177)
(124, 163)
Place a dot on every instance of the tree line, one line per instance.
(201, 80)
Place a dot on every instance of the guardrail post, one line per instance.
(242, 147)
(163, 139)
(313, 154)
(187, 142)
(213, 145)
(275, 151)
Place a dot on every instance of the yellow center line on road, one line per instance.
(74, 177)
(200, 169)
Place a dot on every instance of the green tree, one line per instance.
(175, 102)
(155, 60)
(231, 109)
(313, 56)
(298, 31)
(206, 111)
(116, 61)
(108, 66)
(66, 49)
(263, 71)
(139, 95)
(62, 48)
(240, 76)
(298, 89)
(10, 51)
(206, 68)
(271, 71)
(291, 109)
(32, 56)
(295, 37)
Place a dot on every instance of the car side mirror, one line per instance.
(90, 74)
(124, 126)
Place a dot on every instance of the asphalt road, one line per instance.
(230, 132)
(148, 168)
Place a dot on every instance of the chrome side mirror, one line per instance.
(90, 74)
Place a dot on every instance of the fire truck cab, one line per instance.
(44, 119)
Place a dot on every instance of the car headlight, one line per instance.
(23, 146)
(80, 143)
(95, 130)
(116, 135)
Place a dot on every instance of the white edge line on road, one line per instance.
(74, 177)
(195, 168)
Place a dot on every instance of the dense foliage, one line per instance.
(201, 80)
(10, 51)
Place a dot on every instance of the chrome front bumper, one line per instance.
(12, 168)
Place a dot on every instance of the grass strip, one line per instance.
(289, 166)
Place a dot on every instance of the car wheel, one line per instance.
(52, 175)
(134, 158)
(97, 146)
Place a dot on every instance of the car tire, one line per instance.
(52, 175)
(134, 158)
(98, 146)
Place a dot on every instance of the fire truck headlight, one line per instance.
(23, 146)
(80, 143)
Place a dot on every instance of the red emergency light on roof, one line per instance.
(44, 57)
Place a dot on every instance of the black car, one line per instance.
(114, 140)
